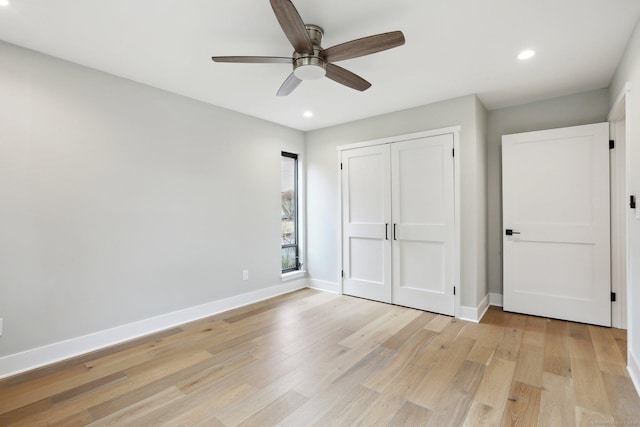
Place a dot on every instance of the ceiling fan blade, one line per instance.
(289, 85)
(347, 78)
(363, 46)
(253, 59)
(292, 25)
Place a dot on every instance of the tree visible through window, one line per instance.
(289, 201)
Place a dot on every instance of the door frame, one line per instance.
(453, 130)
(620, 126)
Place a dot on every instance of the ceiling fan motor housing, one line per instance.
(311, 66)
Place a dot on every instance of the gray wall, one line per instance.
(482, 139)
(323, 247)
(574, 110)
(121, 202)
(629, 71)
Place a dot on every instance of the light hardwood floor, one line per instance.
(312, 358)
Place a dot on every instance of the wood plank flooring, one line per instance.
(316, 359)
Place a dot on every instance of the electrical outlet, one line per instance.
(245, 274)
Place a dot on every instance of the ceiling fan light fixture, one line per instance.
(310, 72)
(309, 68)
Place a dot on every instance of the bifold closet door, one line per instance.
(366, 218)
(423, 223)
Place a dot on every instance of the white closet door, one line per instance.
(366, 218)
(556, 223)
(423, 223)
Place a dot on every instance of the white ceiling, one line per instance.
(453, 48)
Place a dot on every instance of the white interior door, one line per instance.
(556, 204)
(366, 218)
(423, 223)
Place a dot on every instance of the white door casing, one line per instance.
(621, 215)
(619, 204)
(366, 218)
(423, 223)
(556, 196)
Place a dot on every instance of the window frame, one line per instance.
(296, 217)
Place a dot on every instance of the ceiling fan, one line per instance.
(310, 61)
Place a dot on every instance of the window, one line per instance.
(289, 201)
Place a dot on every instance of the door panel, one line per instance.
(422, 207)
(554, 180)
(556, 196)
(547, 269)
(366, 214)
(366, 180)
(363, 250)
(422, 266)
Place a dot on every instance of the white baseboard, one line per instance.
(633, 366)
(483, 307)
(474, 314)
(20, 362)
(495, 299)
(322, 285)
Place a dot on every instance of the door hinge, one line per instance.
(612, 144)
(340, 165)
(632, 202)
(613, 296)
(453, 152)
(342, 273)
(454, 290)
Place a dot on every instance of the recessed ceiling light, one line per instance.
(308, 114)
(526, 54)
(4, 2)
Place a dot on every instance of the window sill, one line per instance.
(292, 275)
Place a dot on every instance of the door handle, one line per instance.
(394, 232)
(510, 232)
(386, 231)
